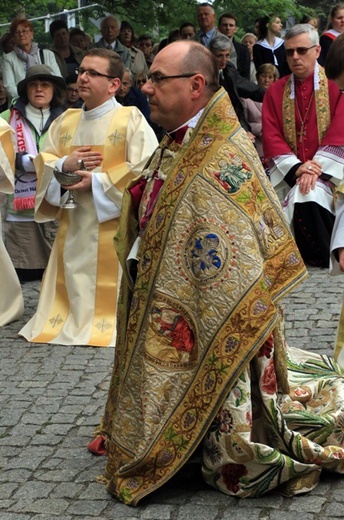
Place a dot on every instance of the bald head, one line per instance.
(190, 56)
(173, 101)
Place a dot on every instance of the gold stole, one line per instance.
(114, 163)
(322, 106)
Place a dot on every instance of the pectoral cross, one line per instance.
(302, 132)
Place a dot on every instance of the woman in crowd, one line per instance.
(141, 79)
(77, 38)
(25, 54)
(41, 100)
(249, 39)
(126, 37)
(311, 20)
(266, 75)
(335, 28)
(270, 47)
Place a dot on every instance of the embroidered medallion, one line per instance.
(206, 254)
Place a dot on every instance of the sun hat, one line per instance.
(42, 72)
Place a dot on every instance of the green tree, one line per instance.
(247, 11)
(158, 17)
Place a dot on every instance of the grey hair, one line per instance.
(206, 4)
(303, 28)
(220, 43)
(251, 35)
(130, 73)
(112, 18)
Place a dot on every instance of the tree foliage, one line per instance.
(158, 17)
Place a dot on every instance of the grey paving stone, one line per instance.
(157, 512)
(270, 500)
(24, 463)
(15, 516)
(250, 514)
(87, 507)
(212, 496)
(191, 512)
(334, 510)
(308, 503)
(95, 490)
(52, 506)
(15, 475)
(7, 490)
(288, 515)
(122, 511)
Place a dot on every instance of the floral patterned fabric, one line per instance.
(265, 438)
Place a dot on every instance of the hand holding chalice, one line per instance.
(69, 179)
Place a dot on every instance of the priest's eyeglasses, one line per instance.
(301, 51)
(158, 79)
(92, 73)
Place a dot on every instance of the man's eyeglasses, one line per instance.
(74, 90)
(158, 79)
(92, 73)
(301, 51)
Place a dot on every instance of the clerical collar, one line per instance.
(99, 111)
(191, 123)
(315, 80)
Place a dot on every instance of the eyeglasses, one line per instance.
(40, 84)
(19, 32)
(300, 50)
(92, 73)
(71, 89)
(158, 79)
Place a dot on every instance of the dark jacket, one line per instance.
(263, 55)
(238, 87)
(243, 59)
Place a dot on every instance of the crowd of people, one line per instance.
(212, 227)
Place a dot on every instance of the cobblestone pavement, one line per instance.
(52, 398)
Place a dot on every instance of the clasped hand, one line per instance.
(82, 161)
(307, 175)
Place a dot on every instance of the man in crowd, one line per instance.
(240, 55)
(109, 28)
(187, 31)
(107, 145)
(67, 56)
(236, 85)
(145, 44)
(207, 255)
(303, 136)
(206, 20)
(130, 96)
